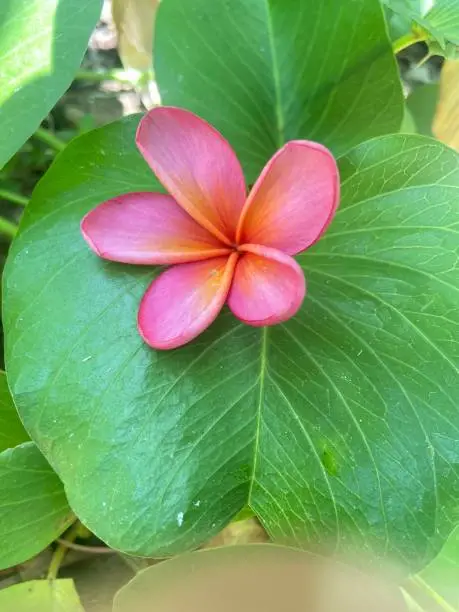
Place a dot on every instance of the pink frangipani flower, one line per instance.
(226, 246)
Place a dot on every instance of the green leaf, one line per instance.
(422, 104)
(398, 23)
(12, 431)
(33, 507)
(408, 126)
(339, 426)
(437, 19)
(261, 577)
(267, 71)
(41, 596)
(443, 22)
(244, 514)
(41, 47)
(442, 573)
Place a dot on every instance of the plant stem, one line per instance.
(97, 550)
(12, 196)
(7, 228)
(61, 551)
(123, 76)
(407, 40)
(420, 584)
(50, 139)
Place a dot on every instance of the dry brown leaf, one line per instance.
(446, 122)
(134, 22)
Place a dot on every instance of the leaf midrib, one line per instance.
(280, 119)
(262, 378)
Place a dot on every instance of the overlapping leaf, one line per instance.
(33, 506)
(41, 47)
(267, 71)
(438, 19)
(339, 426)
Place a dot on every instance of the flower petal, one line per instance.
(197, 166)
(293, 200)
(268, 286)
(147, 228)
(184, 300)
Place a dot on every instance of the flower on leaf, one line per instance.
(223, 246)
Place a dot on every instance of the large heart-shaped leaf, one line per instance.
(267, 71)
(33, 507)
(41, 47)
(339, 426)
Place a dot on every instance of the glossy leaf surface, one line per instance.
(339, 426)
(267, 71)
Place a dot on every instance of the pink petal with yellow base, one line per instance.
(293, 200)
(197, 166)
(184, 300)
(268, 286)
(147, 228)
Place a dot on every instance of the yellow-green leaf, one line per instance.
(41, 596)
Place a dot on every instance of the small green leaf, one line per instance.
(443, 22)
(41, 47)
(437, 19)
(12, 431)
(398, 23)
(160, 450)
(267, 71)
(41, 596)
(33, 507)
